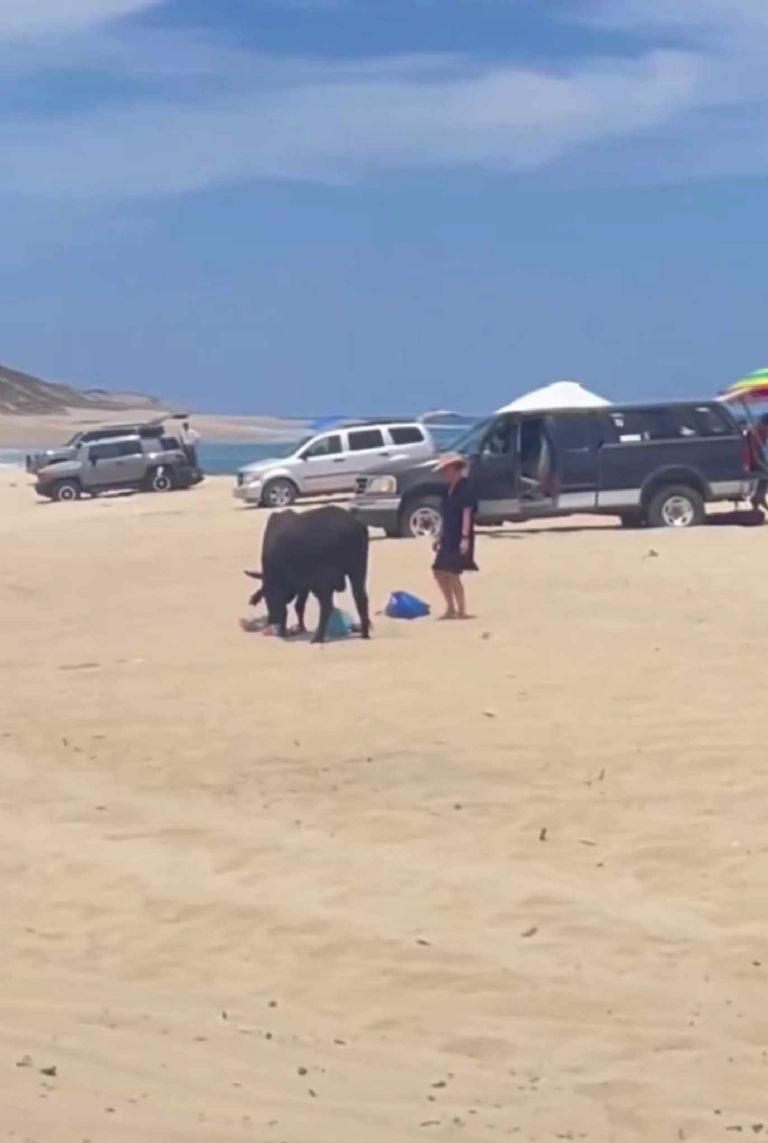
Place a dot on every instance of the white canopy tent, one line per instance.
(558, 395)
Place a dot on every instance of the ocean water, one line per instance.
(12, 457)
(224, 458)
(216, 457)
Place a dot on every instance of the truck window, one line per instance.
(669, 423)
(574, 431)
(470, 441)
(636, 425)
(711, 422)
(501, 439)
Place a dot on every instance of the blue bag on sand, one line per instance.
(339, 624)
(403, 605)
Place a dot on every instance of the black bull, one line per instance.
(316, 551)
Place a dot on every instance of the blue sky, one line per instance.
(371, 205)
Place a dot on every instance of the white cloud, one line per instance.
(247, 116)
(323, 123)
(21, 18)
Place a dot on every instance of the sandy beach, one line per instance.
(502, 879)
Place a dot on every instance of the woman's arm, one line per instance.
(466, 529)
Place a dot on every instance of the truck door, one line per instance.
(535, 471)
(494, 470)
(577, 445)
(636, 442)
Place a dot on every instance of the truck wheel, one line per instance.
(65, 490)
(161, 481)
(279, 493)
(422, 517)
(677, 506)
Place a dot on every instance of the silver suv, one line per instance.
(331, 461)
(129, 462)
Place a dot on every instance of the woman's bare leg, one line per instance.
(459, 597)
(443, 580)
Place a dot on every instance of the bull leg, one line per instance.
(301, 604)
(361, 603)
(281, 619)
(325, 599)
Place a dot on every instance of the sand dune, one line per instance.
(22, 431)
(494, 880)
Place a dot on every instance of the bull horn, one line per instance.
(254, 575)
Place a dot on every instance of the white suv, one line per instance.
(331, 461)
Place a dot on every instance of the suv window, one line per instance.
(117, 448)
(406, 434)
(361, 439)
(130, 448)
(326, 446)
(104, 452)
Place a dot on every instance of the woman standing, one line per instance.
(456, 546)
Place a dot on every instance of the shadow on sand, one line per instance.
(738, 518)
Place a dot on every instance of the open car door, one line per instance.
(494, 471)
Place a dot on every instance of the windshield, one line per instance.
(470, 440)
(73, 440)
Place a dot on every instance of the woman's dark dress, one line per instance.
(449, 557)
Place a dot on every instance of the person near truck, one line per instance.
(190, 439)
(455, 549)
(757, 440)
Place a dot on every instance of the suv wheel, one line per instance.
(161, 481)
(279, 493)
(677, 506)
(65, 490)
(422, 518)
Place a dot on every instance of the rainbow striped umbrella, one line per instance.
(754, 385)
